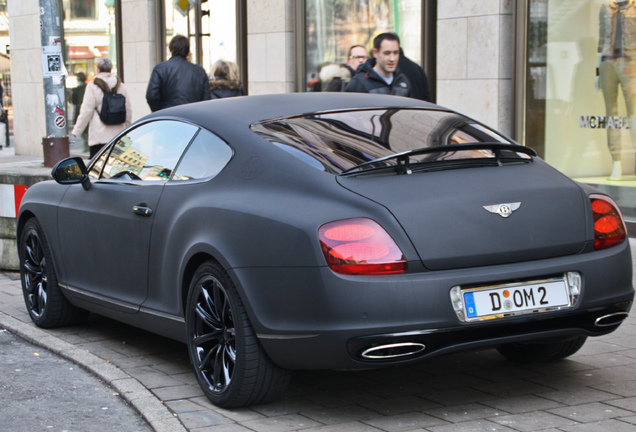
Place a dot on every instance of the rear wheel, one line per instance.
(230, 365)
(44, 300)
(541, 351)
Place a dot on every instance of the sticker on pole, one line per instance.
(60, 122)
(183, 6)
(52, 61)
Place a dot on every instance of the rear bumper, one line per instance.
(436, 342)
(312, 318)
(344, 350)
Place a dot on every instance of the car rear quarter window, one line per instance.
(338, 141)
(149, 152)
(206, 157)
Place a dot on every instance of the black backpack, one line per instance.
(113, 105)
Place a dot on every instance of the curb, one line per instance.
(132, 391)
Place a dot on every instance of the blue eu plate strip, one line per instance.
(469, 301)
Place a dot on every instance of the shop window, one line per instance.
(80, 9)
(85, 43)
(580, 92)
(332, 27)
(211, 26)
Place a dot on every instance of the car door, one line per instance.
(105, 231)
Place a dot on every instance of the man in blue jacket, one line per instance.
(380, 74)
(177, 81)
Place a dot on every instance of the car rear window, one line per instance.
(338, 141)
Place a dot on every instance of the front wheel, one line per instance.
(541, 351)
(230, 365)
(44, 300)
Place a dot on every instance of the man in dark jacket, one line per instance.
(380, 74)
(416, 76)
(177, 81)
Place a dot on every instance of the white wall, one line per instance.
(475, 59)
(29, 122)
(138, 36)
(270, 46)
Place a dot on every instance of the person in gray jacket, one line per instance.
(177, 81)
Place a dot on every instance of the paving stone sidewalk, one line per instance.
(594, 390)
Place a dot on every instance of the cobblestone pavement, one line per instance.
(594, 390)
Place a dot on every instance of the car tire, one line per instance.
(230, 365)
(545, 351)
(45, 302)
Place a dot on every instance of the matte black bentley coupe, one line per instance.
(324, 231)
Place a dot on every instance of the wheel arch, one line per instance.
(190, 268)
(23, 218)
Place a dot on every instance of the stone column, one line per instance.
(475, 55)
(270, 46)
(29, 123)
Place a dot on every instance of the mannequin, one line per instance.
(617, 67)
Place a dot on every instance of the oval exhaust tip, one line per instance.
(610, 319)
(395, 350)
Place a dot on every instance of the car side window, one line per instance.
(206, 157)
(149, 152)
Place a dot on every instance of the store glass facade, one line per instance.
(211, 26)
(580, 92)
(332, 26)
(90, 33)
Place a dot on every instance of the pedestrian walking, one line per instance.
(225, 82)
(380, 74)
(177, 81)
(356, 56)
(100, 133)
(416, 76)
(334, 77)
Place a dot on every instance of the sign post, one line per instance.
(56, 143)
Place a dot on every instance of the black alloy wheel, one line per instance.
(229, 363)
(44, 300)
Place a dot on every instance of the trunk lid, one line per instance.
(443, 213)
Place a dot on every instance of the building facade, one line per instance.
(552, 74)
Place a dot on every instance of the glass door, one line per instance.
(211, 26)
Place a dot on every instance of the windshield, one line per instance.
(338, 141)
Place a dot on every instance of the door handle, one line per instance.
(142, 210)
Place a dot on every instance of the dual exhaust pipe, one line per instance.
(610, 319)
(394, 350)
(406, 349)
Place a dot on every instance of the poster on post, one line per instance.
(52, 63)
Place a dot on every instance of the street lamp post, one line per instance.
(56, 143)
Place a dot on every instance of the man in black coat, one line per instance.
(381, 74)
(177, 81)
(417, 77)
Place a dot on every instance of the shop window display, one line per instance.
(581, 92)
(333, 26)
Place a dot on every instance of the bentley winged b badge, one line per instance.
(503, 210)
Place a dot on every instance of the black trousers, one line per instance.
(94, 149)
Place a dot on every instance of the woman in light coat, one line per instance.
(99, 133)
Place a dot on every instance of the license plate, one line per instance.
(514, 299)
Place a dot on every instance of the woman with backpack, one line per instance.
(106, 108)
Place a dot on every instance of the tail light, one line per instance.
(609, 227)
(360, 247)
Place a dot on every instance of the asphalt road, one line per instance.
(40, 391)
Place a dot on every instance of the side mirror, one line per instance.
(71, 171)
